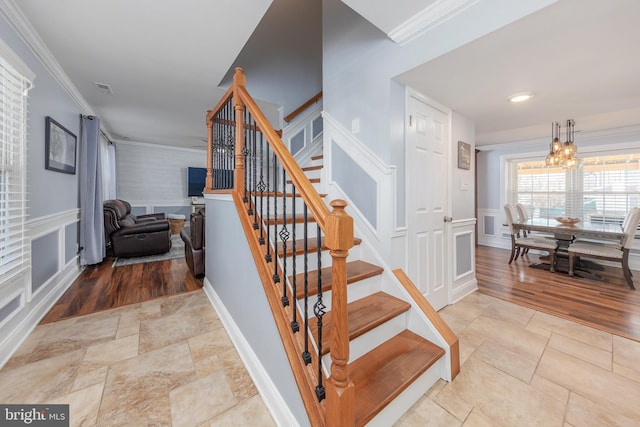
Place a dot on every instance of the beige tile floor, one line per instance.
(170, 362)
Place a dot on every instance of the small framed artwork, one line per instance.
(60, 148)
(464, 155)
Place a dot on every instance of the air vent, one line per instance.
(104, 88)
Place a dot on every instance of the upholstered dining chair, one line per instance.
(518, 242)
(607, 251)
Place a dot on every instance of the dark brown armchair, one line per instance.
(127, 235)
(194, 243)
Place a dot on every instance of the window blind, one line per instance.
(14, 253)
(602, 189)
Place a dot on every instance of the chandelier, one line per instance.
(562, 153)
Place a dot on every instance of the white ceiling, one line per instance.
(580, 58)
(165, 63)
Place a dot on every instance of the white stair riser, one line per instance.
(377, 336)
(314, 173)
(355, 291)
(409, 396)
(312, 260)
(266, 206)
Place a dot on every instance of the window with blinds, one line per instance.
(601, 189)
(14, 254)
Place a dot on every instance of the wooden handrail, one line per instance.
(318, 209)
(303, 107)
(435, 319)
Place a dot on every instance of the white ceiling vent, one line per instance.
(104, 88)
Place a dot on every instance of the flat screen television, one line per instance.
(196, 180)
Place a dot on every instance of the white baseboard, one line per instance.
(266, 388)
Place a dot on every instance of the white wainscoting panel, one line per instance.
(463, 258)
(26, 309)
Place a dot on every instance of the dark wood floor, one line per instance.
(102, 287)
(609, 306)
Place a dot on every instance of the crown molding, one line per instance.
(149, 145)
(30, 36)
(622, 137)
(429, 18)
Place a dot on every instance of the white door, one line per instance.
(427, 191)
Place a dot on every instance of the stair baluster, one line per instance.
(284, 237)
(261, 188)
(295, 326)
(306, 355)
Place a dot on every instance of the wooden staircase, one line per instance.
(383, 372)
(363, 343)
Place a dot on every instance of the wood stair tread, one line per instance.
(364, 315)
(382, 374)
(356, 271)
(312, 246)
(318, 157)
(311, 180)
(312, 168)
(279, 194)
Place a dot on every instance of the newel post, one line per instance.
(239, 80)
(209, 181)
(340, 390)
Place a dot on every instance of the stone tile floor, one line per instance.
(157, 363)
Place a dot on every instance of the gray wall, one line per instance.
(49, 192)
(154, 172)
(359, 61)
(463, 180)
(240, 289)
(50, 195)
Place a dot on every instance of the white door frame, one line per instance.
(409, 93)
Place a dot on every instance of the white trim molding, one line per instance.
(384, 176)
(463, 282)
(35, 305)
(429, 18)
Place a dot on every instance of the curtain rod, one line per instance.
(90, 117)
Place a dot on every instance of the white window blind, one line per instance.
(602, 189)
(14, 253)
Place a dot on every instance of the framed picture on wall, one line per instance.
(464, 155)
(60, 148)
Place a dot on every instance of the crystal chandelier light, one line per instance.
(562, 154)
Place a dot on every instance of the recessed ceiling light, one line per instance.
(521, 97)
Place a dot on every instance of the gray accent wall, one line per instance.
(356, 183)
(231, 270)
(70, 242)
(49, 192)
(148, 172)
(45, 250)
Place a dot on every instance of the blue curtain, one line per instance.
(91, 218)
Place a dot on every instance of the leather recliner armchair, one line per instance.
(127, 235)
(194, 243)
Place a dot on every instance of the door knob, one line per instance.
(448, 219)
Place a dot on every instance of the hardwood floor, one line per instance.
(609, 306)
(102, 287)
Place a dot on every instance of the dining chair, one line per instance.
(607, 251)
(520, 242)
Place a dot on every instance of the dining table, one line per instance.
(564, 234)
